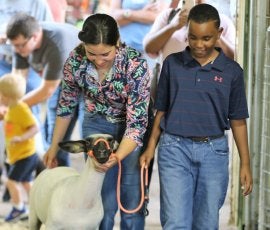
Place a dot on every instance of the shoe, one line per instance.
(16, 214)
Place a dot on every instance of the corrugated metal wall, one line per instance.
(253, 54)
(264, 205)
(254, 40)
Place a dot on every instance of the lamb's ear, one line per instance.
(114, 145)
(73, 146)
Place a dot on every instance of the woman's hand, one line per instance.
(49, 159)
(105, 166)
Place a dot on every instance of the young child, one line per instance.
(201, 93)
(20, 127)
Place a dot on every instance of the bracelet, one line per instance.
(127, 13)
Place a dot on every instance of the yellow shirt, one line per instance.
(16, 122)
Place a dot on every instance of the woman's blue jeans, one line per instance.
(130, 179)
(193, 182)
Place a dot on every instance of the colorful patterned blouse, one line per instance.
(123, 96)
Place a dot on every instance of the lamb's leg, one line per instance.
(34, 222)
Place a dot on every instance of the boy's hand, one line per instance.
(246, 180)
(16, 139)
(49, 159)
(146, 158)
(3, 110)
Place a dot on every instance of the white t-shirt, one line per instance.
(178, 41)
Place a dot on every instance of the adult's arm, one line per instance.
(162, 31)
(146, 15)
(239, 130)
(42, 93)
(61, 125)
(228, 36)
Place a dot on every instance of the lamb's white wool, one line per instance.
(61, 198)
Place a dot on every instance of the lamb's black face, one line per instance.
(102, 151)
(99, 145)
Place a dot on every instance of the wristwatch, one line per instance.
(127, 13)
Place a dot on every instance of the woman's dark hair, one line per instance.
(99, 29)
(202, 13)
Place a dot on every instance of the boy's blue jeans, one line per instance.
(130, 179)
(193, 182)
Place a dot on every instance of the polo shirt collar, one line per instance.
(218, 64)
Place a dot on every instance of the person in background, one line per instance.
(169, 35)
(40, 10)
(135, 18)
(20, 127)
(115, 83)
(200, 95)
(58, 9)
(44, 46)
(36, 8)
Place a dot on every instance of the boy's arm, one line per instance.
(149, 153)
(3, 110)
(239, 129)
(31, 131)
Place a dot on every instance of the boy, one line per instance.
(201, 94)
(20, 127)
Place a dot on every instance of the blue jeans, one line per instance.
(193, 182)
(130, 183)
(62, 156)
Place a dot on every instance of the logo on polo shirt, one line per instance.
(219, 79)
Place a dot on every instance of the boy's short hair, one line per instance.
(12, 85)
(202, 13)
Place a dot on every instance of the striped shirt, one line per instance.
(200, 100)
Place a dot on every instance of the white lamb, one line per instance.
(61, 198)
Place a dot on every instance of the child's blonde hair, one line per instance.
(12, 86)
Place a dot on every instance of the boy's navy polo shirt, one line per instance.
(200, 100)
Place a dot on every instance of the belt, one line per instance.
(205, 139)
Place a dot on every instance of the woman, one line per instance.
(115, 84)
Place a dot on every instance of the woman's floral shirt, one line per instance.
(123, 96)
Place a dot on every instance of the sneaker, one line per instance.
(16, 214)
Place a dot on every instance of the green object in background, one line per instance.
(79, 24)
